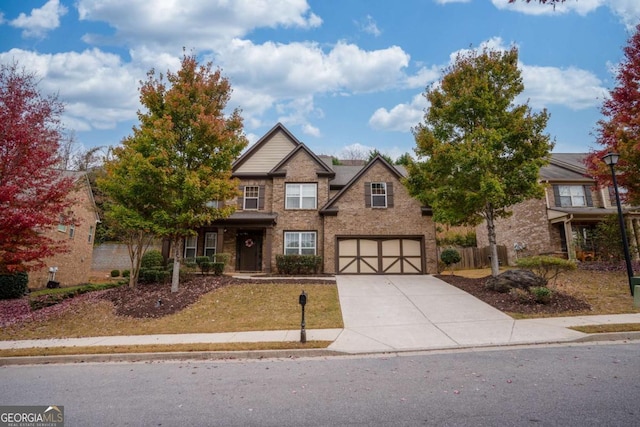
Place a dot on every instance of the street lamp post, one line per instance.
(611, 159)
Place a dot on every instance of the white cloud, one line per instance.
(572, 87)
(369, 26)
(41, 20)
(201, 23)
(627, 10)
(423, 77)
(400, 118)
(98, 90)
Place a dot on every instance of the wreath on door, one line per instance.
(249, 243)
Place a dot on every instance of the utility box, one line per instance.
(635, 283)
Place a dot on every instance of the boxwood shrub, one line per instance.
(13, 285)
(298, 264)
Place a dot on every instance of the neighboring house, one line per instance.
(72, 267)
(563, 221)
(359, 219)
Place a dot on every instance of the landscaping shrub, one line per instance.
(152, 259)
(47, 297)
(547, 267)
(217, 268)
(222, 257)
(126, 273)
(298, 264)
(541, 294)
(115, 273)
(465, 240)
(13, 285)
(153, 275)
(521, 295)
(450, 256)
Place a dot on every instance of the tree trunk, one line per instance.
(177, 256)
(137, 244)
(493, 247)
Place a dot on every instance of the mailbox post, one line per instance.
(303, 301)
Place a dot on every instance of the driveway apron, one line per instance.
(401, 313)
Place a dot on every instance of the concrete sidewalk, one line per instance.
(388, 314)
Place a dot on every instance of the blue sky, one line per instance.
(340, 75)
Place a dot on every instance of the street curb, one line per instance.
(166, 356)
(610, 336)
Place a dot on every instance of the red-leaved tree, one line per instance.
(619, 131)
(33, 194)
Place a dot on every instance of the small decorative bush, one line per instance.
(115, 273)
(126, 273)
(547, 267)
(153, 275)
(521, 295)
(450, 256)
(13, 285)
(298, 264)
(152, 259)
(541, 294)
(222, 258)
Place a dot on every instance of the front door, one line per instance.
(249, 251)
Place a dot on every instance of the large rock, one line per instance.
(523, 279)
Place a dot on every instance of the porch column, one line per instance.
(568, 232)
(268, 243)
(635, 241)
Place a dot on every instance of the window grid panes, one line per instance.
(210, 242)
(301, 196)
(190, 246)
(571, 195)
(251, 197)
(300, 243)
(379, 194)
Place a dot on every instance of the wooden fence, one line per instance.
(473, 258)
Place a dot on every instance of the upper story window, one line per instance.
(301, 196)
(251, 196)
(378, 194)
(572, 196)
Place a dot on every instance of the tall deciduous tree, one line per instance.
(619, 131)
(181, 153)
(33, 194)
(478, 152)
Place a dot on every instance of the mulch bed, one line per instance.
(559, 304)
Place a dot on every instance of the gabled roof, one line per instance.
(328, 207)
(255, 147)
(566, 167)
(323, 170)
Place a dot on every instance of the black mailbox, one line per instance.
(303, 298)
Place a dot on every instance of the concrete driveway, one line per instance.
(400, 313)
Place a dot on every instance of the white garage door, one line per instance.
(380, 255)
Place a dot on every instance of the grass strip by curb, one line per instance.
(613, 327)
(161, 348)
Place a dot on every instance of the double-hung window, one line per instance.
(571, 195)
(210, 243)
(301, 196)
(251, 196)
(378, 194)
(190, 246)
(300, 243)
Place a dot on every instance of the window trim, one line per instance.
(299, 248)
(375, 196)
(187, 247)
(256, 198)
(300, 196)
(215, 243)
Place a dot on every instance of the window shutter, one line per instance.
(367, 194)
(241, 198)
(556, 195)
(261, 197)
(389, 194)
(587, 196)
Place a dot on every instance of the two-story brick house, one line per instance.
(359, 219)
(72, 267)
(562, 222)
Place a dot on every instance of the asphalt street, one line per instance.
(564, 385)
